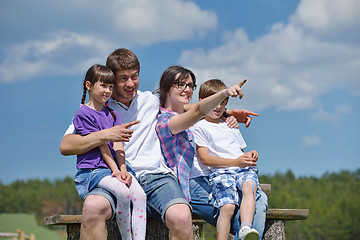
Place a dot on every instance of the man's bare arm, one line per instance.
(74, 144)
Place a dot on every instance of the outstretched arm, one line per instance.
(179, 123)
(74, 144)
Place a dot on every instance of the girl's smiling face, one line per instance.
(99, 93)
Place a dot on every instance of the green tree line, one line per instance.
(40, 197)
(333, 200)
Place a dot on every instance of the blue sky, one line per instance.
(301, 59)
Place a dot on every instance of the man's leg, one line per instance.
(178, 221)
(97, 209)
(166, 203)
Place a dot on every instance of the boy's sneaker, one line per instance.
(247, 233)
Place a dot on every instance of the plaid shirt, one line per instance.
(177, 150)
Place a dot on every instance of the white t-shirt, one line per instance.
(143, 150)
(198, 169)
(220, 140)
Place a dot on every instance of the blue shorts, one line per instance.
(162, 191)
(226, 183)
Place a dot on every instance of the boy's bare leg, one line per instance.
(179, 222)
(224, 221)
(247, 206)
(96, 211)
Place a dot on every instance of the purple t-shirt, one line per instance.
(88, 120)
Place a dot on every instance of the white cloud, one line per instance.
(145, 22)
(310, 141)
(52, 56)
(338, 20)
(321, 115)
(93, 29)
(295, 63)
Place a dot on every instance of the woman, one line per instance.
(177, 143)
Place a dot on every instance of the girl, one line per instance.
(97, 167)
(177, 141)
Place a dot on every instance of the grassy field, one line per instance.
(9, 222)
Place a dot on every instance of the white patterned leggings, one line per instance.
(129, 223)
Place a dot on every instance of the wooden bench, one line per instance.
(274, 225)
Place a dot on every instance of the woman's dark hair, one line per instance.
(97, 73)
(171, 75)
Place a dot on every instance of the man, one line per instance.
(166, 201)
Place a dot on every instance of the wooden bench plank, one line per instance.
(62, 219)
(287, 214)
(266, 188)
(279, 214)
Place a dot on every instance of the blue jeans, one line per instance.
(199, 191)
(162, 191)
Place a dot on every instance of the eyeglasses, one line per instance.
(181, 86)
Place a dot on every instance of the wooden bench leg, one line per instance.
(73, 231)
(113, 232)
(274, 230)
(197, 228)
(156, 230)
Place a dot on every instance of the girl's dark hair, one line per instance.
(169, 77)
(97, 73)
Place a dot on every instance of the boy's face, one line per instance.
(126, 86)
(217, 113)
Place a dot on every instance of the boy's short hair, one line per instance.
(122, 59)
(210, 87)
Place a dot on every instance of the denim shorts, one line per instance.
(87, 180)
(162, 191)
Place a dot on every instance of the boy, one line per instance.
(216, 141)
